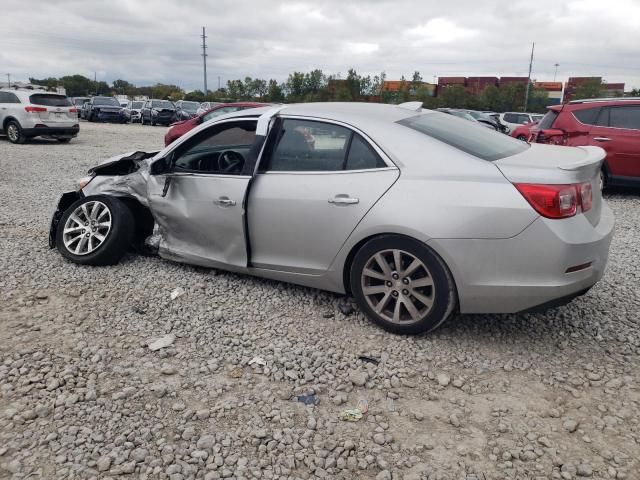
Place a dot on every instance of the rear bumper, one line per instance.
(529, 270)
(52, 131)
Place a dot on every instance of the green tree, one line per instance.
(591, 88)
(454, 96)
(275, 92)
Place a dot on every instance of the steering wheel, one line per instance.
(230, 161)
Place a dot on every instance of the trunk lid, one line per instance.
(552, 165)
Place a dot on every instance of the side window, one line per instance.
(522, 119)
(309, 146)
(222, 149)
(587, 116)
(8, 97)
(511, 117)
(362, 156)
(603, 117)
(625, 117)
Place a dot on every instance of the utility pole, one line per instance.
(204, 58)
(8, 80)
(95, 83)
(555, 72)
(218, 82)
(526, 95)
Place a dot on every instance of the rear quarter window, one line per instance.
(49, 100)
(587, 116)
(466, 136)
(625, 117)
(548, 120)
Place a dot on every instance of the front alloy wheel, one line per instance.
(402, 285)
(95, 230)
(87, 228)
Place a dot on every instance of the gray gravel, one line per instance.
(541, 396)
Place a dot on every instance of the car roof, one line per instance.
(609, 101)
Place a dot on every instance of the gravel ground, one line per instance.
(82, 395)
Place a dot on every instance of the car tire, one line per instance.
(141, 120)
(15, 133)
(153, 124)
(64, 140)
(116, 236)
(416, 298)
(602, 179)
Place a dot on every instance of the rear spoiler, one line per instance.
(594, 154)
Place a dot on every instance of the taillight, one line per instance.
(31, 109)
(586, 196)
(73, 110)
(557, 201)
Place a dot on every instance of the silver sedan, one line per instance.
(415, 213)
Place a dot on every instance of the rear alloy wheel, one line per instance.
(14, 132)
(95, 230)
(402, 285)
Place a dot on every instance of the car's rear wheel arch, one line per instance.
(346, 271)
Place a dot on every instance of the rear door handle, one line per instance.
(343, 199)
(602, 139)
(224, 202)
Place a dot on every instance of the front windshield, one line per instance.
(105, 101)
(190, 106)
(161, 104)
(137, 104)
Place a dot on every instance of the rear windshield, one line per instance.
(466, 136)
(106, 101)
(49, 100)
(547, 120)
(137, 104)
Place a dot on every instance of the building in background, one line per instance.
(553, 89)
(476, 85)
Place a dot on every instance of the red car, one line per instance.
(610, 123)
(523, 131)
(177, 129)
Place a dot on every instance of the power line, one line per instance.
(204, 58)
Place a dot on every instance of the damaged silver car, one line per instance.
(415, 213)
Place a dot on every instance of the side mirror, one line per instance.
(160, 166)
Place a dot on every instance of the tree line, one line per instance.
(316, 86)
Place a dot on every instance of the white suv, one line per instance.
(27, 113)
(515, 119)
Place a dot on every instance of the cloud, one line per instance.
(148, 41)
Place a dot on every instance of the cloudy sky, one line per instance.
(149, 41)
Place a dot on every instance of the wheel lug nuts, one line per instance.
(405, 292)
(394, 293)
(405, 281)
(389, 284)
(88, 235)
(395, 276)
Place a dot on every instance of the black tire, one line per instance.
(142, 120)
(117, 240)
(14, 132)
(443, 291)
(603, 180)
(153, 124)
(90, 117)
(64, 140)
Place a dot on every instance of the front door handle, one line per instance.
(224, 202)
(602, 139)
(343, 199)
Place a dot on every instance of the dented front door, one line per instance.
(200, 213)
